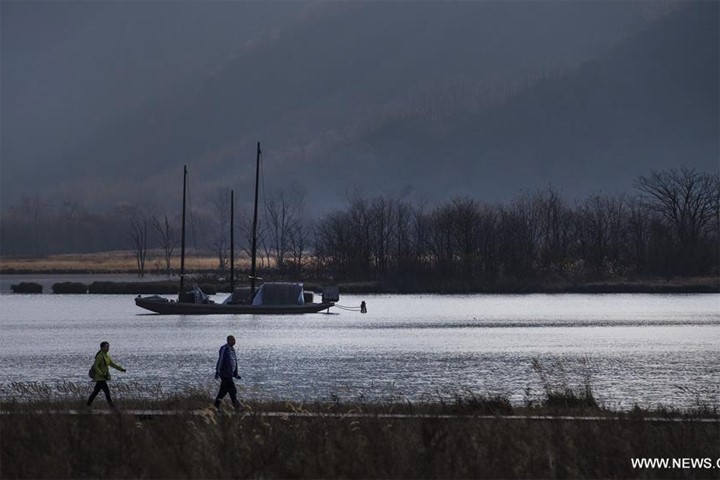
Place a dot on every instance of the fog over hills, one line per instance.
(650, 102)
(432, 98)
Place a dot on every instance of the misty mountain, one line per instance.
(484, 98)
(72, 71)
(650, 103)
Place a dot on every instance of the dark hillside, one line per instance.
(334, 74)
(650, 103)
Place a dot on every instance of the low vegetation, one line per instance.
(27, 287)
(69, 287)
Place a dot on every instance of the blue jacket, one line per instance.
(227, 363)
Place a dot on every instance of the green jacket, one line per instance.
(102, 362)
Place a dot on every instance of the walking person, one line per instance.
(101, 373)
(226, 369)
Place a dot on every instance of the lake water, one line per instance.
(647, 349)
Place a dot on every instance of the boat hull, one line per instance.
(166, 307)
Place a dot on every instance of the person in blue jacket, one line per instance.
(226, 370)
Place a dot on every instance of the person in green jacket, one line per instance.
(102, 373)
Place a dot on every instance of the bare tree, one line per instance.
(420, 234)
(441, 239)
(359, 222)
(601, 229)
(136, 222)
(220, 239)
(403, 236)
(465, 221)
(168, 239)
(282, 215)
(519, 236)
(687, 201)
(71, 209)
(556, 235)
(637, 236)
(32, 213)
(333, 244)
(382, 211)
(246, 231)
(298, 241)
(138, 234)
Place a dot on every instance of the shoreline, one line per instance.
(40, 281)
(567, 405)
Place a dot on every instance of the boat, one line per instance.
(270, 298)
(163, 306)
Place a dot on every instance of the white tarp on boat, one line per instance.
(279, 294)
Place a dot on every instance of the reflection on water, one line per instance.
(634, 348)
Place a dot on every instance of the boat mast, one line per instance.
(254, 231)
(182, 236)
(232, 240)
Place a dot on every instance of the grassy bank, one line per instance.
(206, 444)
(620, 285)
(211, 286)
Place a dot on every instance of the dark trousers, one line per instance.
(227, 386)
(100, 386)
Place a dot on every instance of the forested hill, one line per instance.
(650, 103)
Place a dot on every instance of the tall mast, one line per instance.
(254, 231)
(232, 240)
(182, 241)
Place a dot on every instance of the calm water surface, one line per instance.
(647, 349)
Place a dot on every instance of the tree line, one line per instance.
(668, 226)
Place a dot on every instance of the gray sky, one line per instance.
(71, 69)
(105, 101)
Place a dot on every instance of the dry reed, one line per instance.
(198, 442)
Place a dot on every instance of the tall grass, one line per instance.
(558, 391)
(457, 434)
(206, 444)
(198, 442)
